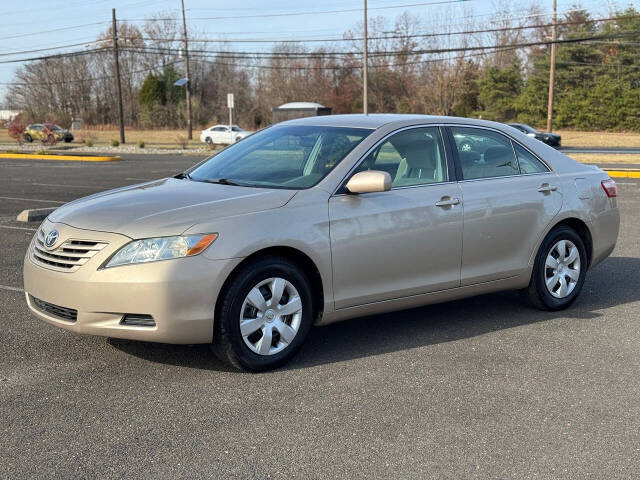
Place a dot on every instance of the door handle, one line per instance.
(447, 202)
(546, 188)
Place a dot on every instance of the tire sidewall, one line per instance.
(549, 301)
(230, 314)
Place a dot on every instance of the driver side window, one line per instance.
(412, 157)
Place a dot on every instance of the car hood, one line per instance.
(165, 207)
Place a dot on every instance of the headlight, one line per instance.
(161, 248)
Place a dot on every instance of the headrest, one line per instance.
(497, 155)
(420, 153)
(468, 158)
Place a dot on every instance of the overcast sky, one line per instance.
(27, 24)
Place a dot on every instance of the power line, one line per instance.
(322, 54)
(393, 37)
(88, 79)
(321, 12)
(59, 55)
(8, 54)
(53, 30)
(429, 35)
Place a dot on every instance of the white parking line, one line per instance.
(32, 200)
(143, 179)
(19, 228)
(11, 289)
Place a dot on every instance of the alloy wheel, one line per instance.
(270, 316)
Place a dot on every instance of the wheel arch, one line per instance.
(576, 224)
(299, 258)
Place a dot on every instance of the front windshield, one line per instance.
(292, 157)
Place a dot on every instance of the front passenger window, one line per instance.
(484, 153)
(412, 157)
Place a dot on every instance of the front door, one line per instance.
(405, 241)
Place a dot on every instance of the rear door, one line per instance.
(405, 241)
(510, 196)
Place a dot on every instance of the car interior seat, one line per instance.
(418, 164)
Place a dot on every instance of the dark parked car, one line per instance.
(547, 137)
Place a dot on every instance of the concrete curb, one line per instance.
(34, 214)
(66, 158)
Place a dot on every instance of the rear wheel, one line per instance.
(264, 315)
(28, 138)
(559, 270)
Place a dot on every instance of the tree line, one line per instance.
(497, 71)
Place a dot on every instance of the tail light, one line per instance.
(609, 187)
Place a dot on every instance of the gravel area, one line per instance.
(79, 149)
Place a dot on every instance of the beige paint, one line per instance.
(369, 182)
(375, 252)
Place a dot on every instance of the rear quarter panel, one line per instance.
(585, 199)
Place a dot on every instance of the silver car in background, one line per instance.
(322, 219)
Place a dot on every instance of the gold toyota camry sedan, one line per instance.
(322, 219)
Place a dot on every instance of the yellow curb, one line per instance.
(68, 158)
(623, 173)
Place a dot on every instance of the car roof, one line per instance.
(377, 120)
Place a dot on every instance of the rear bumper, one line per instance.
(179, 294)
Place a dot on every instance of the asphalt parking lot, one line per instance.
(480, 388)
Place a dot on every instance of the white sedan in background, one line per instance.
(223, 134)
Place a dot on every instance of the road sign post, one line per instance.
(230, 107)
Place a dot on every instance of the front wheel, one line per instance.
(28, 138)
(559, 271)
(263, 316)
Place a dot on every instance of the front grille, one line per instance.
(64, 313)
(68, 257)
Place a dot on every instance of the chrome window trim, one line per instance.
(383, 140)
(506, 176)
(482, 127)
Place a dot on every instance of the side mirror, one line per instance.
(369, 181)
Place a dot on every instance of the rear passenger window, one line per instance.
(484, 154)
(529, 163)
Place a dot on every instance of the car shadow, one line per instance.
(614, 282)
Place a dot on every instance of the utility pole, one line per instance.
(118, 85)
(186, 68)
(365, 101)
(552, 70)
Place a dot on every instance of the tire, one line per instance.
(242, 352)
(238, 139)
(554, 298)
(28, 138)
(208, 141)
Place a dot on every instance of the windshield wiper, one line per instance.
(182, 175)
(225, 181)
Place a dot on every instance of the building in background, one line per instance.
(289, 111)
(7, 115)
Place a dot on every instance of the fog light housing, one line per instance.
(138, 320)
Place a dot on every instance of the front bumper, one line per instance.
(179, 294)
